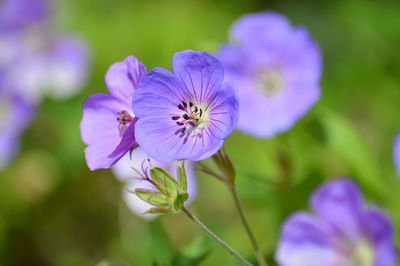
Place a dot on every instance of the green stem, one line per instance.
(215, 237)
(257, 250)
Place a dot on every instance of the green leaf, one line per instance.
(154, 198)
(346, 141)
(167, 185)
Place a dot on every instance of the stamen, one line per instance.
(201, 112)
(181, 107)
(179, 123)
(195, 109)
(186, 116)
(190, 104)
(175, 117)
(192, 124)
(184, 104)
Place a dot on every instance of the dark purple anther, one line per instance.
(190, 104)
(184, 104)
(177, 132)
(186, 116)
(192, 124)
(179, 123)
(181, 107)
(195, 109)
(175, 117)
(183, 130)
(201, 112)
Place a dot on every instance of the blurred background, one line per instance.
(54, 211)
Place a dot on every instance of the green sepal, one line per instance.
(166, 184)
(180, 200)
(182, 180)
(154, 198)
(158, 210)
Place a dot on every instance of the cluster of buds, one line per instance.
(167, 194)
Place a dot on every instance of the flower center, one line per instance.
(191, 117)
(5, 112)
(363, 253)
(124, 120)
(358, 253)
(270, 80)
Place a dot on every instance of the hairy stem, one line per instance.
(215, 237)
(257, 250)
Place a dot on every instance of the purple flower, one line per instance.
(35, 58)
(276, 69)
(396, 153)
(18, 14)
(123, 170)
(185, 114)
(15, 115)
(107, 125)
(343, 231)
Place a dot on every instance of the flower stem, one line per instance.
(257, 250)
(215, 237)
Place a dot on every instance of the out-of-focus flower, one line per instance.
(37, 59)
(341, 232)
(123, 170)
(396, 153)
(15, 115)
(276, 69)
(19, 14)
(108, 124)
(185, 115)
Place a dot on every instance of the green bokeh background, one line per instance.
(54, 211)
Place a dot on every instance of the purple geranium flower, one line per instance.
(18, 14)
(341, 232)
(107, 126)
(276, 69)
(187, 114)
(123, 170)
(15, 115)
(37, 59)
(396, 153)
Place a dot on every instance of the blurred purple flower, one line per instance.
(276, 69)
(19, 14)
(37, 59)
(123, 170)
(187, 114)
(15, 115)
(396, 153)
(107, 125)
(341, 232)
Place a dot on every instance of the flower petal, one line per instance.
(67, 64)
(18, 14)
(340, 203)
(160, 140)
(99, 129)
(158, 95)
(224, 112)
(15, 116)
(305, 241)
(200, 72)
(267, 30)
(123, 78)
(380, 230)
